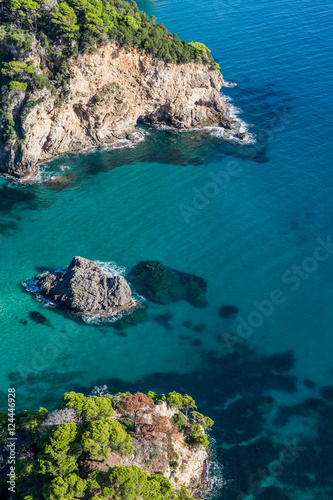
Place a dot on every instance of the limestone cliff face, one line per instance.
(110, 91)
(183, 464)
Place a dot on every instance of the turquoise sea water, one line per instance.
(268, 387)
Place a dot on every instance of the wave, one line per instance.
(97, 319)
(220, 132)
(217, 480)
(44, 174)
(31, 285)
(111, 268)
(229, 84)
(241, 126)
(138, 136)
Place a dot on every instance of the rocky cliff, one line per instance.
(110, 91)
(163, 450)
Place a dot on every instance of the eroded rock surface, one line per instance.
(84, 288)
(160, 448)
(111, 91)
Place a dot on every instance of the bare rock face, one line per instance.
(85, 289)
(110, 92)
(163, 450)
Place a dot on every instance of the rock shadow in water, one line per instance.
(39, 318)
(163, 285)
(228, 311)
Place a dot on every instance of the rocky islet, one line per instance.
(83, 288)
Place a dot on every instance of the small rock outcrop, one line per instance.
(161, 284)
(84, 288)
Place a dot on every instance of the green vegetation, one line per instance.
(59, 444)
(54, 31)
(205, 422)
(179, 421)
(13, 85)
(180, 401)
(105, 436)
(90, 408)
(197, 436)
(17, 68)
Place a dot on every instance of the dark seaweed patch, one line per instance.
(161, 284)
(164, 320)
(228, 311)
(327, 392)
(199, 328)
(39, 318)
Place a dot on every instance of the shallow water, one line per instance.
(160, 201)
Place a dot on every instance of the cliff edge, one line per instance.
(110, 91)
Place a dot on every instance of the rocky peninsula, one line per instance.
(91, 86)
(125, 446)
(83, 288)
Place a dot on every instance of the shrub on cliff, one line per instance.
(104, 436)
(130, 483)
(91, 407)
(180, 401)
(197, 436)
(179, 422)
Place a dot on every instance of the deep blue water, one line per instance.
(262, 384)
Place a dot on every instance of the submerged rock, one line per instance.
(228, 311)
(161, 284)
(164, 320)
(309, 384)
(85, 289)
(138, 316)
(62, 183)
(38, 318)
(327, 392)
(199, 328)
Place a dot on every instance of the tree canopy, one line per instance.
(86, 24)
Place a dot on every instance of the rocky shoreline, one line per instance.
(110, 92)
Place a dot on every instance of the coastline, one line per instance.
(214, 131)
